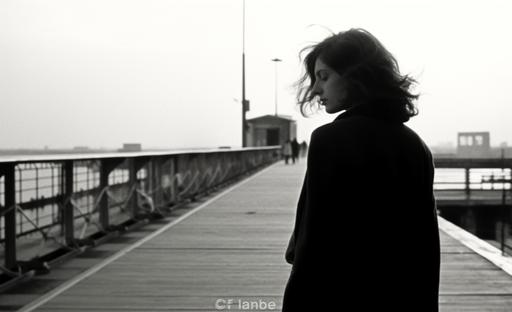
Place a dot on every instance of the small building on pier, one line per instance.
(270, 130)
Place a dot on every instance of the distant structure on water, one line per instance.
(131, 147)
(80, 149)
(270, 130)
(474, 145)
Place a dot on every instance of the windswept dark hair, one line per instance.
(370, 70)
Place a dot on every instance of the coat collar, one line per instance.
(370, 110)
(361, 109)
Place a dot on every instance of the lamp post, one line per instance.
(275, 60)
(244, 100)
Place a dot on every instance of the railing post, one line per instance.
(148, 183)
(133, 168)
(106, 167)
(505, 210)
(10, 216)
(105, 170)
(156, 184)
(172, 176)
(503, 221)
(68, 213)
(467, 182)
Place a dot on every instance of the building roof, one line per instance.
(282, 117)
(474, 132)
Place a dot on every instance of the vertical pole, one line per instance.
(275, 85)
(68, 213)
(53, 191)
(20, 194)
(275, 60)
(244, 100)
(10, 217)
(132, 181)
(150, 176)
(244, 139)
(88, 185)
(503, 222)
(104, 213)
(157, 181)
(506, 208)
(37, 193)
(503, 203)
(172, 175)
(467, 182)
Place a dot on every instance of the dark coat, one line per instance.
(366, 235)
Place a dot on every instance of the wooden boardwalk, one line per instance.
(232, 248)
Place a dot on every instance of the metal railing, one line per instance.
(486, 182)
(61, 202)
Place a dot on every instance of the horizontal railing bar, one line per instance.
(92, 156)
(473, 182)
(489, 163)
(41, 202)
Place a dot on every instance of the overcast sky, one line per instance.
(168, 73)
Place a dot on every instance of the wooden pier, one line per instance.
(229, 247)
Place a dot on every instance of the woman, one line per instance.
(366, 235)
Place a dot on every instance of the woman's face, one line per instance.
(330, 87)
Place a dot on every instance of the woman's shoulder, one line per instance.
(359, 130)
(355, 125)
(346, 134)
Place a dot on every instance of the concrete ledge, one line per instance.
(476, 244)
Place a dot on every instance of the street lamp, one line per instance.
(244, 100)
(244, 143)
(276, 60)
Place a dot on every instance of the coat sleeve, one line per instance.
(290, 250)
(323, 193)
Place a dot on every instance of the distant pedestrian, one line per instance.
(360, 243)
(295, 150)
(303, 149)
(287, 151)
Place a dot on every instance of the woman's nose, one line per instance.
(317, 90)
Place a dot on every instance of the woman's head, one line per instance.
(353, 68)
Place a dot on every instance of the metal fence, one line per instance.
(61, 203)
(478, 184)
